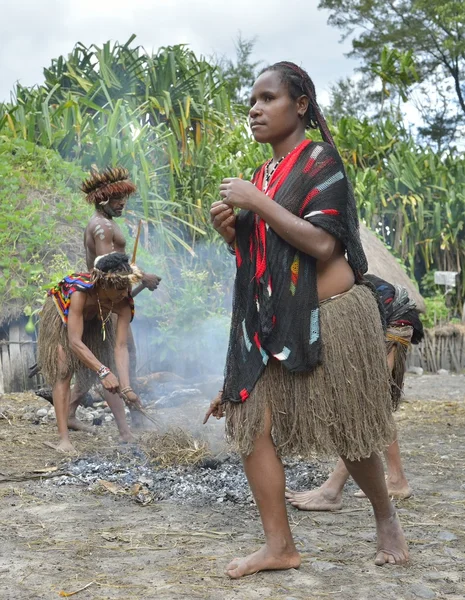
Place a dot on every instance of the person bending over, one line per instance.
(77, 337)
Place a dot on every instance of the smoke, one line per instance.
(181, 331)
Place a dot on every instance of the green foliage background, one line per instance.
(169, 118)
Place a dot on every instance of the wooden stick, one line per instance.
(68, 594)
(136, 243)
(140, 409)
(147, 416)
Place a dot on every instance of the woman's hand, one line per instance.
(216, 408)
(224, 221)
(238, 193)
(110, 383)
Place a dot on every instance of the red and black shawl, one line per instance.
(275, 305)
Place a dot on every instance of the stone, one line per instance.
(108, 418)
(415, 370)
(447, 536)
(341, 532)
(368, 536)
(42, 412)
(454, 553)
(323, 566)
(443, 372)
(84, 414)
(421, 591)
(447, 576)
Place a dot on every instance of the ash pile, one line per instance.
(176, 462)
(211, 481)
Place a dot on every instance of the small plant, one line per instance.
(437, 312)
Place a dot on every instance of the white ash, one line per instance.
(214, 481)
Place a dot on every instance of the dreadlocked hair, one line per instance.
(299, 83)
(114, 271)
(111, 183)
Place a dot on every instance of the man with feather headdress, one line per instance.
(108, 191)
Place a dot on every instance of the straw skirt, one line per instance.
(342, 407)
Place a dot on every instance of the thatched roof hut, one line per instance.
(383, 264)
(42, 239)
(17, 352)
(68, 243)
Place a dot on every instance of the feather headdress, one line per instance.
(112, 182)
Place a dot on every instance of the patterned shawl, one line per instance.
(275, 305)
(77, 282)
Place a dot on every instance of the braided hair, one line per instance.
(299, 83)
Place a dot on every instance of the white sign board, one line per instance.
(447, 278)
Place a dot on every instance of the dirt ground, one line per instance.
(62, 538)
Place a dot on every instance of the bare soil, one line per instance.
(58, 538)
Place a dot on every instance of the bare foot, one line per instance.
(127, 437)
(77, 425)
(400, 490)
(319, 499)
(263, 560)
(396, 490)
(392, 547)
(64, 446)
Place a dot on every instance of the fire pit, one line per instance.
(214, 480)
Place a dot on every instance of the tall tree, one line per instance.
(395, 74)
(240, 74)
(349, 98)
(432, 30)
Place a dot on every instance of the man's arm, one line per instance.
(76, 329)
(123, 311)
(77, 346)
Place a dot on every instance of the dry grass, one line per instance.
(175, 447)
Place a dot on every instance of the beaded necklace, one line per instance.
(269, 173)
(104, 320)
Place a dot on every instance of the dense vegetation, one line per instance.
(40, 222)
(169, 119)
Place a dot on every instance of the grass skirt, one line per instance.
(398, 338)
(52, 333)
(342, 407)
